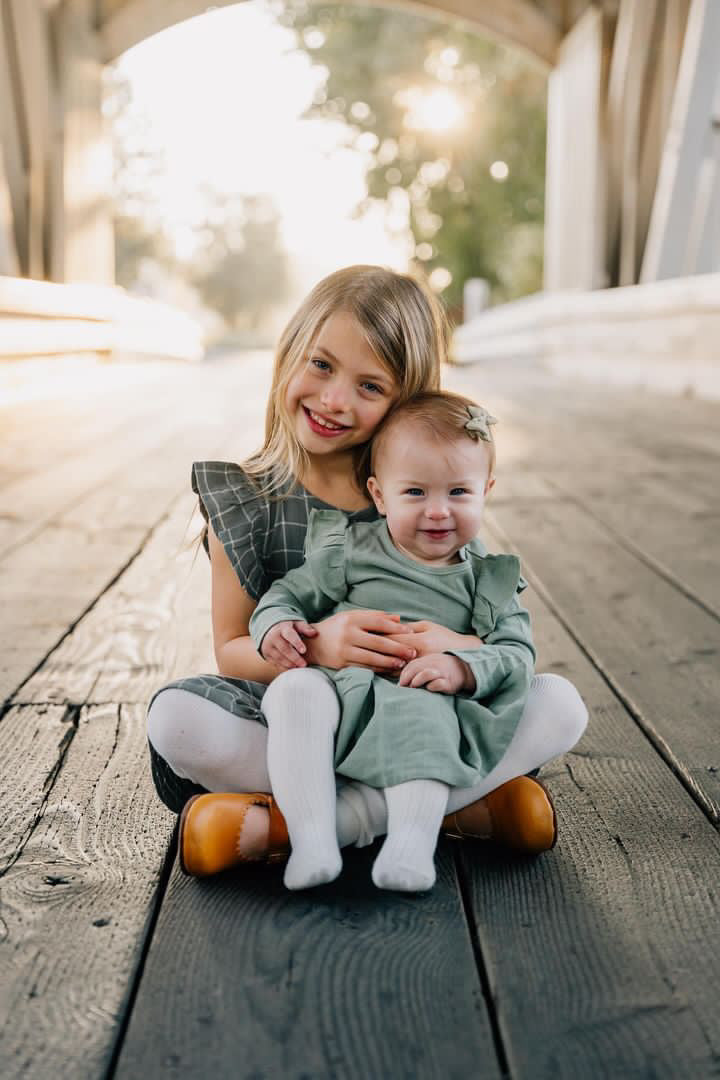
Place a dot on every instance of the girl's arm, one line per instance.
(232, 606)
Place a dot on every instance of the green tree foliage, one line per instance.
(460, 216)
(241, 269)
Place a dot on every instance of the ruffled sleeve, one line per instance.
(240, 519)
(497, 579)
(313, 589)
(326, 528)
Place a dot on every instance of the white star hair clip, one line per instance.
(478, 426)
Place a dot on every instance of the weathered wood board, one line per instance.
(596, 959)
(136, 636)
(656, 647)
(32, 747)
(76, 905)
(343, 981)
(602, 954)
(77, 534)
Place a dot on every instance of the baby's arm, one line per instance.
(508, 649)
(283, 646)
(301, 595)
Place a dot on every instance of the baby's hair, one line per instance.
(404, 324)
(442, 414)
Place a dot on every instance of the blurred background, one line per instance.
(174, 177)
(282, 141)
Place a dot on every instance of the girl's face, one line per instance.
(431, 493)
(338, 398)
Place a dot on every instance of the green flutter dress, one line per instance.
(388, 733)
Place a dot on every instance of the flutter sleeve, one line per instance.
(240, 518)
(313, 589)
(508, 653)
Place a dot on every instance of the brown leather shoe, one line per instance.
(211, 826)
(521, 817)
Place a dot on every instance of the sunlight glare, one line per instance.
(247, 72)
(438, 111)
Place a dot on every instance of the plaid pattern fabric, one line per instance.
(264, 538)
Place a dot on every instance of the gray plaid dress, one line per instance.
(264, 538)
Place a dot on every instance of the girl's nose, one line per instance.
(334, 398)
(437, 512)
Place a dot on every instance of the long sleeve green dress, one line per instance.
(387, 733)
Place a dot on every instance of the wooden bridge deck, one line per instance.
(599, 959)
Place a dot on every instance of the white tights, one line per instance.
(204, 743)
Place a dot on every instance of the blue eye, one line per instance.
(459, 491)
(414, 491)
(373, 387)
(322, 365)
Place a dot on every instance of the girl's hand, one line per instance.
(283, 646)
(439, 672)
(428, 637)
(359, 639)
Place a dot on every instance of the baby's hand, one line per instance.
(439, 672)
(283, 646)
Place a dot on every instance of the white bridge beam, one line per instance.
(684, 233)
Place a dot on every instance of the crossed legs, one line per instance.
(208, 745)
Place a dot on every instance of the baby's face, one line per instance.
(431, 492)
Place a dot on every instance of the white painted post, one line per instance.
(575, 187)
(476, 296)
(12, 168)
(687, 191)
(9, 265)
(87, 249)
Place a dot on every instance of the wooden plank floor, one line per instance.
(596, 960)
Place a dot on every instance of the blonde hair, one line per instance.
(403, 323)
(443, 416)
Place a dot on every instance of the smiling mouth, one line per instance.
(322, 426)
(437, 534)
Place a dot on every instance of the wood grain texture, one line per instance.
(630, 558)
(40, 500)
(42, 396)
(33, 744)
(74, 907)
(150, 626)
(343, 981)
(602, 954)
(136, 413)
(153, 624)
(658, 649)
(51, 582)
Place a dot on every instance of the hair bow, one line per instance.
(478, 426)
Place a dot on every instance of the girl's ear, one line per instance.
(490, 485)
(376, 494)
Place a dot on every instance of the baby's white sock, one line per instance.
(302, 711)
(415, 813)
